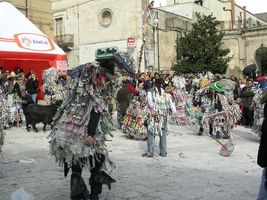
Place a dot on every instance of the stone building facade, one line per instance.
(163, 39)
(244, 45)
(38, 12)
(245, 32)
(85, 28)
(88, 29)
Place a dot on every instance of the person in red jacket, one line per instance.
(124, 97)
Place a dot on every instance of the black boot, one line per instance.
(94, 196)
(78, 188)
(104, 178)
(96, 189)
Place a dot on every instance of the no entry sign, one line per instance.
(131, 42)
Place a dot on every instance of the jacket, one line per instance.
(237, 92)
(32, 86)
(262, 152)
(247, 96)
(124, 97)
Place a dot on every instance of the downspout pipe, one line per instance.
(26, 11)
(233, 12)
(245, 16)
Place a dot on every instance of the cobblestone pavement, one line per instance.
(192, 170)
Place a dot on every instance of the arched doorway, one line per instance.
(261, 59)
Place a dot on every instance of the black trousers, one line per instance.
(201, 129)
(78, 188)
(248, 117)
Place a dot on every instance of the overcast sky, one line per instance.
(254, 6)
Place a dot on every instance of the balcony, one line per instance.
(66, 42)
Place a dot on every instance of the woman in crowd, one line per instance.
(159, 103)
(32, 86)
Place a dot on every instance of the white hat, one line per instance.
(12, 75)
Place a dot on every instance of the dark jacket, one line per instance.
(262, 153)
(237, 92)
(218, 105)
(32, 86)
(247, 96)
(123, 97)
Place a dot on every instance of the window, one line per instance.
(199, 2)
(105, 17)
(59, 26)
(249, 23)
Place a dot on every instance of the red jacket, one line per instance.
(131, 89)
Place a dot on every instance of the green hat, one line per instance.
(217, 86)
(199, 117)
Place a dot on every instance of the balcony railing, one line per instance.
(65, 41)
(227, 25)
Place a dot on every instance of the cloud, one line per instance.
(255, 6)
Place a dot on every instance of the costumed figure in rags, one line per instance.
(53, 89)
(124, 97)
(2, 117)
(180, 99)
(159, 104)
(229, 87)
(198, 103)
(262, 152)
(83, 122)
(3, 121)
(258, 107)
(133, 122)
(4, 108)
(13, 99)
(223, 115)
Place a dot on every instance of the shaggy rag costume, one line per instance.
(258, 112)
(223, 116)
(262, 159)
(159, 103)
(2, 117)
(124, 97)
(85, 114)
(54, 90)
(133, 123)
(180, 99)
(2, 136)
(4, 108)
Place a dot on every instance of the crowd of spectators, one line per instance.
(17, 91)
(243, 93)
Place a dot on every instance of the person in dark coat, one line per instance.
(26, 100)
(124, 96)
(32, 87)
(247, 95)
(262, 152)
(237, 91)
